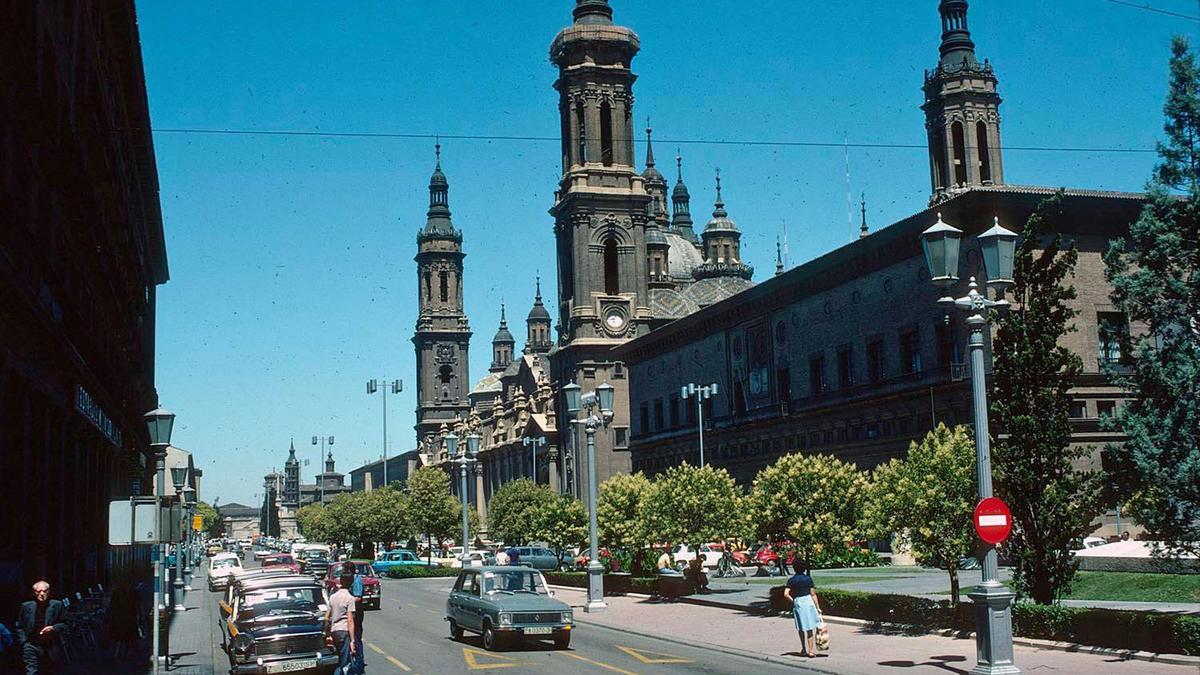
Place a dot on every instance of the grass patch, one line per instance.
(820, 579)
(1136, 587)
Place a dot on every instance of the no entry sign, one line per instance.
(993, 520)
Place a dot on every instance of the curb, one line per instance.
(1123, 654)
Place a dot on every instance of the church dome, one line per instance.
(655, 237)
(503, 336)
(538, 313)
(721, 222)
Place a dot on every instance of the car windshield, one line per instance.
(514, 582)
(274, 601)
(364, 569)
(225, 562)
(278, 560)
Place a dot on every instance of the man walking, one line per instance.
(39, 625)
(357, 590)
(339, 619)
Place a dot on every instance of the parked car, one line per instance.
(220, 568)
(278, 626)
(475, 559)
(768, 559)
(399, 558)
(370, 579)
(281, 560)
(686, 554)
(506, 603)
(315, 563)
(536, 557)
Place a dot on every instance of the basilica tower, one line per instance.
(600, 212)
(443, 335)
(962, 112)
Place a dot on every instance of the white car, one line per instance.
(475, 559)
(686, 554)
(221, 568)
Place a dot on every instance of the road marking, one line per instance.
(391, 659)
(470, 656)
(643, 655)
(376, 649)
(430, 611)
(597, 663)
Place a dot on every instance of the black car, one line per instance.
(316, 565)
(278, 626)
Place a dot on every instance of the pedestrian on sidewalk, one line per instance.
(39, 628)
(339, 623)
(805, 610)
(357, 589)
(122, 620)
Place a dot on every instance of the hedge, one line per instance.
(614, 584)
(1121, 629)
(420, 572)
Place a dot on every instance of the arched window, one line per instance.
(985, 159)
(444, 285)
(581, 126)
(611, 282)
(606, 134)
(960, 153)
(938, 150)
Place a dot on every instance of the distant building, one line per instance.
(329, 484)
(240, 520)
(370, 475)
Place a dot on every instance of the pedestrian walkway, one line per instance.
(854, 648)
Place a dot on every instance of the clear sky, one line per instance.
(292, 273)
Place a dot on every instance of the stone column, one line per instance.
(553, 468)
(479, 502)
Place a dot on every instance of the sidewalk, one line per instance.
(854, 648)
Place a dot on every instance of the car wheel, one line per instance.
(491, 640)
(562, 639)
(772, 568)
(456, 631)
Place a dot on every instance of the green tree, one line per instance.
(314, 523)
(693, 505)
(375, 516)
(927, 499)
(211, 524)
(1053, 501)
(619, 519)
(561, 521)
(431, 510)
(814, 501)
(513, 509)
(1155, 275)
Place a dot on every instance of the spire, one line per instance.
(292, 454)
(649, 145)
(681, 217)
(537, 298)
(594, 12)
(503, 319)
(957, 49)
(778, 259)
(679, 166)
(719, 205)
(538, 313)
(862, 229)
(438, 218)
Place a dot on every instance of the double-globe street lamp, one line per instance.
(383, 385)
(941, 244)
(600, 400)
(178, 476)
(462, 460)
(700, 393)
(534, 442)
(321, 465)
(189, 503)
(159, 423)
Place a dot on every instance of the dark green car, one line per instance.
(507, 603)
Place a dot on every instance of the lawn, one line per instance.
(823, 579)
(1136, 587)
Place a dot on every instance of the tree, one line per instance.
(432, 510)
(693, 505)
(928, 498)
(375, 516)
(814, 501)
(513, 509)
(1053, 501)
(619, 520)
(314, 523)
(211, 522)
(1155, 275)
(561, 521)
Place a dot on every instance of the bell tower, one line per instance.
(600, 213)
(962, 112)
(443, 335)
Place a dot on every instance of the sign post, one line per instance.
(993, 520)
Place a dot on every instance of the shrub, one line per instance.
(850, 556)
(421, 572)
(613, 584)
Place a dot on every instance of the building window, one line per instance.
(985, 161)
(1112, 329)
(620, 438)
(875, 370)
(658, 414)
(947, 349)
(816, 374)
(611, 281)
(784, 377)
(444, 285)
(674, 411)
(1106, 408)
(910, 352)
(618, 371)
(606, 134)
(581, 121)
(691, 412)
(960, 153)
(845, 367)
(1078, 410)
(644, 415)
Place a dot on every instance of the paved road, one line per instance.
(408, 635)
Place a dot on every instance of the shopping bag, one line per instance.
(822, 636)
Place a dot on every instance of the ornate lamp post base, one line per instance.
(993, 630)
(595, 602)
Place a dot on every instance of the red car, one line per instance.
(277, 560)
(371, 586)
(768, 558)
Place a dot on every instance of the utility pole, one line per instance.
(321, 463)
(396, 386)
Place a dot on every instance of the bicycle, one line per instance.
(727, 568)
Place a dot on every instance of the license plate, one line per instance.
(291, 666)
(539, 630)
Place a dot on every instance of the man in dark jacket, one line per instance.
(39, 626)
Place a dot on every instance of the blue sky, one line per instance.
(292, 279)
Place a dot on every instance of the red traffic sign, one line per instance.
(993, 520)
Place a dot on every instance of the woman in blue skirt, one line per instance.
(805, 609)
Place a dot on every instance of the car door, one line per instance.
(544, 559)
(470, 611)
(454, 601)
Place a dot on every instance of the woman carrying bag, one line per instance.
(806, 611)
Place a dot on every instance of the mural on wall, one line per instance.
(750, 366)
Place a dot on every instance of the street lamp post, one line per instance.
(321, 463)
(178, 475)
(396, 386)
(700, 393)
(941, 244)
(189, 498)
(600, 400)
(159, 423)
(467, 457)
(534, 442)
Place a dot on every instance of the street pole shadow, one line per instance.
(942, 662)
